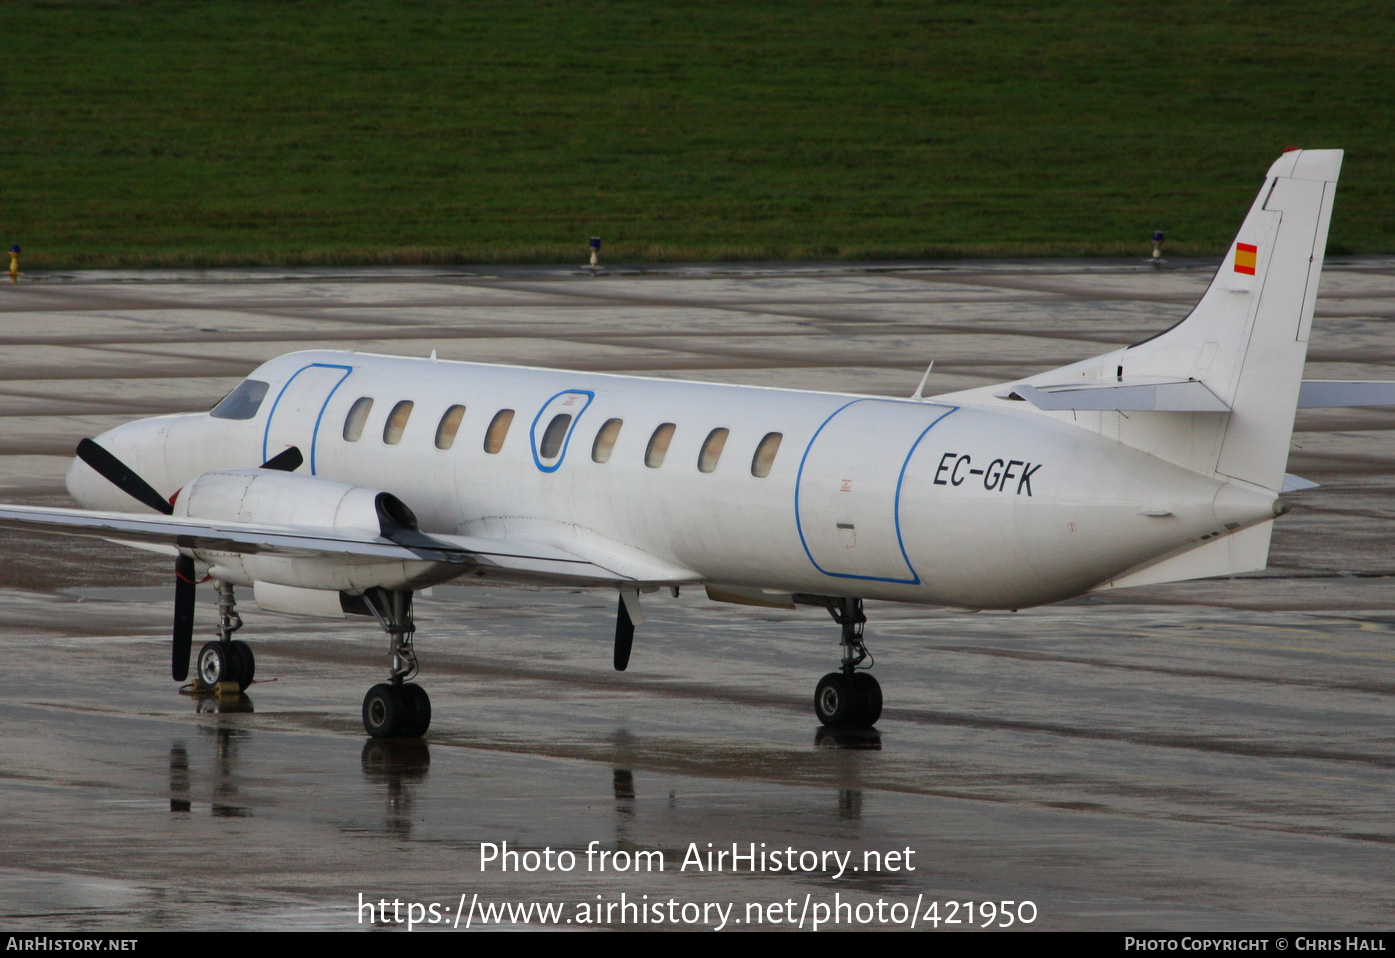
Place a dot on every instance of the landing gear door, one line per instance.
(297, 412)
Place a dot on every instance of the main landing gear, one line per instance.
(391, 709)
(228, 659)
(848, 698)
(395, 709)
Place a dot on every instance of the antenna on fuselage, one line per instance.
(918, 395)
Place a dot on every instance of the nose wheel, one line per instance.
(228, 659)
(232, 661)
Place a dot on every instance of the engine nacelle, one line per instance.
(291, 503)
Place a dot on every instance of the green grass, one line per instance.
(163, 133)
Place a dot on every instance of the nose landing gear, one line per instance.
(228, 659)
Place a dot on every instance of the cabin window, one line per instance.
(498, 431)
(358, 415)
(449, 426)
(712, 448)
(765, 454)
(552, 438)
(243, 402)
(658, 445)
(396, 422)
(605, 440)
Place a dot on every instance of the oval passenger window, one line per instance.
(358, 415)
(498, 431)
(449, 426)
(658, 445)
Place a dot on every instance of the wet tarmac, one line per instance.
(1204, 756)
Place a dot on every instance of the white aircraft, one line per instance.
(381, 476)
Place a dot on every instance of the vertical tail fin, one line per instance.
(1247, 338)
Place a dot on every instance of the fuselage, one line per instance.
(980, 506)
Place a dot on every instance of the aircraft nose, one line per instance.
(140, 445)
(81, 482)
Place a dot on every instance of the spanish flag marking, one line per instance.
(1245, 256)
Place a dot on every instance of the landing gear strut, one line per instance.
(228, 659)
(848, 698)
(394, 709)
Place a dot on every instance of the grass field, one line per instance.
(164, 133)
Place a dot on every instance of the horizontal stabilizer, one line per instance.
(1294, 483)
(1243, 551)
(1183, 395)
(1337, 394)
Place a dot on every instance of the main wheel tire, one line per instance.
(869, 699)
(216, 664)
(246, 663)
(835, 700)
(385, 711)
(420, 705)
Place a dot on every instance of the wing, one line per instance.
(586, 560)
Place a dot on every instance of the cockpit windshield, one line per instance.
(243, 402)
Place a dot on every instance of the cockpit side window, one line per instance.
(243, 402)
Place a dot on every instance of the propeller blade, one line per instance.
(122, 476)
(287, 460)
(183, 617)
(624, 637)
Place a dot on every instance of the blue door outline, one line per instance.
(914, 577)
(319, 416)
